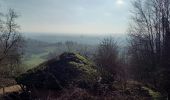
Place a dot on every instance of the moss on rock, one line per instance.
(69, 69)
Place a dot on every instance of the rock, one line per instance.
(69, 69)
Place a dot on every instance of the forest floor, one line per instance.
(133, 87)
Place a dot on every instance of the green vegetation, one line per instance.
(70, 69)
(35, 59)
(155, 95)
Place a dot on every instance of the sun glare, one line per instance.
(119, 2)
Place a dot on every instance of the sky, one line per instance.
(93, 17)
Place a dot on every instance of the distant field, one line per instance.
(37, 52)
(36, 59)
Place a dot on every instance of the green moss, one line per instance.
(86, 68)
(155, 95)
(83, 59)
(70, 68)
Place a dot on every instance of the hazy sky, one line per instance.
(71, 16)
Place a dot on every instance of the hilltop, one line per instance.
(57, 73)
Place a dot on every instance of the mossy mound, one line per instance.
(69, 69)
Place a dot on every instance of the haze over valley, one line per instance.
(84, 49)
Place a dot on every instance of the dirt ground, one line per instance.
(10, 89)
(9, 85)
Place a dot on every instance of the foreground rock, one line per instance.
(70, 69)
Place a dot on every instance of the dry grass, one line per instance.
(133, 92)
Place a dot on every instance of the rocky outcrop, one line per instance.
(70, 69)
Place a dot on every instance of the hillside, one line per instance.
(73, 76)
(69, 69)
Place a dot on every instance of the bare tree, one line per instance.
(106, 58)
(11, 41)
(69, 45)
(150, 40)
